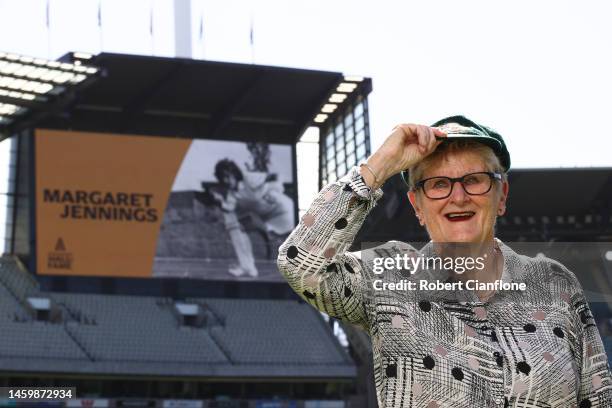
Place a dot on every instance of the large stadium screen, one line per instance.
(140, 206)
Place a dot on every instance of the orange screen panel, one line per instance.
(100, 201)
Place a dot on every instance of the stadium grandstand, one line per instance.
(115, 346)
(189, 331)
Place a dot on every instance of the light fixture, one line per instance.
(353, 78)
(78, 78)
(23, 85)
(346, 87)
(329, 108)
(27, 82)
(8, 67)
(82, 55)
(7, 109)
(49, 74)
(337, 98)
(63, 78)
(320, 118)
(11, 63)
(609, 255)
(37, 73)
(17, 95)
(24, 70)
(43, 88)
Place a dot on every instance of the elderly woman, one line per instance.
(523, 337)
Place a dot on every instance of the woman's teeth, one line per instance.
(459, 216)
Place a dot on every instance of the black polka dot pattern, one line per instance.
(499, 359)
(332, 267)
(523, 367)
(391, 370)
(585, 403)
(341, 223)
(347, 292)
(493, 336)
(292, 252)
(309, 295)
(349, 268)
(429, 362)
(558, 332)
(457, 373)
(425, 305)
(529, 328)
(584, 317)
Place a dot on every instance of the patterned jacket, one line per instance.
(534, 348)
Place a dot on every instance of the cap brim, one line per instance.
(486, 140)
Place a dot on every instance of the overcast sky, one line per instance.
(537, 71)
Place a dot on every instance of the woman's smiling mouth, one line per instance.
(459, 216)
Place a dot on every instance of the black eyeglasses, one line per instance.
(437, 188)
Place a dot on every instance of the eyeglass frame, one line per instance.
(492, 176)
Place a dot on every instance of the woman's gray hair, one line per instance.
(490, 159)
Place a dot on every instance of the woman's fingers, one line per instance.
(424, 137)
(438, 132)
(432, 140)
(427, 139)
(409, 130)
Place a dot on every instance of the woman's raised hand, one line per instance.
(407, 145)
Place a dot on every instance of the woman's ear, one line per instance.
(417, 209)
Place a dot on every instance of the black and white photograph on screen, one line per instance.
(231, 205)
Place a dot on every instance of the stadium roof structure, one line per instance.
(559, 191)
(31, 88)
(201, 99)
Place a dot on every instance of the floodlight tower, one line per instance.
(182, 29)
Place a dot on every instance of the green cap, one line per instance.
(459, 127)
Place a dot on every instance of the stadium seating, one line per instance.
(256, 331)
(15, 285)
(18, 282)
(10, 308)
(136, 328)
(138, 334)
(37, 340)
